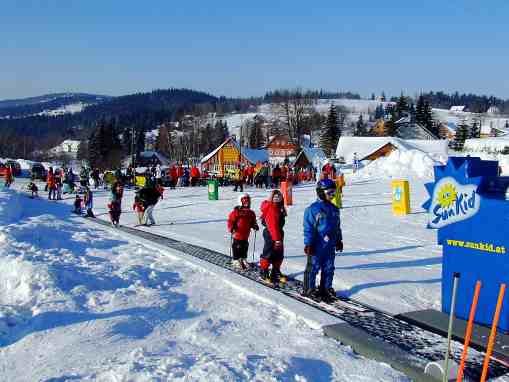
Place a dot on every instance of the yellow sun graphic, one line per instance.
(446, 195)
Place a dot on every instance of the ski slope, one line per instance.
(79, 302)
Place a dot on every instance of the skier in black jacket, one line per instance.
(149, 196)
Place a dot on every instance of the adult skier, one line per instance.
(273, 214)
(149, 196)
(240, 222)
(322, 237)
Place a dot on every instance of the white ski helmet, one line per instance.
(243, 197)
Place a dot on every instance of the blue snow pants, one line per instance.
(323, 262)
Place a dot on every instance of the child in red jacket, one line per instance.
(273, 214)
(240, 222)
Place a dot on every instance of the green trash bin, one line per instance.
(213, 188)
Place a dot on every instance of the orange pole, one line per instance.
(493, 334)
(468, 333)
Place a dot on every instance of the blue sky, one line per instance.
(243, 48)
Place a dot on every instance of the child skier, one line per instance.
(240, 222)
(77, 205)
(139, 209)
(88, 200)
(273, 214)
(322, 237)
(32, 187)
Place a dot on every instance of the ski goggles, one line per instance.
(330, 192)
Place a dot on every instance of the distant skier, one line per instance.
(139, 209)
(240, 222)
(322, 237)
(9, 178)
(115, 204)
(77, 205)
(88, 200)
(356, 162)
(273, 215)
(32, 187)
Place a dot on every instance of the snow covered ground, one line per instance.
(78, 302)
(389, 262)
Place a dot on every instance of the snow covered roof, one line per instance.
(252, 155)
(312, 154)
(365, 146)
(149, 154)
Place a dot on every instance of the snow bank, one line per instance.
(487, 145)
(400, 164)
(364, 146)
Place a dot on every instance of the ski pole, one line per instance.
(456, 277)
(254, 247)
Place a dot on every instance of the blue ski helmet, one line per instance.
(324, 186)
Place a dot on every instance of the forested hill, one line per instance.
(46, 104)
(143, 110)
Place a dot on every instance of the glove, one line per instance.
(308, 250)
(339, 246)
(278, 245)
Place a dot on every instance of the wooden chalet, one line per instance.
(281, 147)
(228, 155)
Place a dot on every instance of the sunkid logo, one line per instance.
(453, 202)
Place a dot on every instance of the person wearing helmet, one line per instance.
(322, 237)
(240, 222)
(273, 214)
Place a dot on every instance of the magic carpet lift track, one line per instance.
(370, 332)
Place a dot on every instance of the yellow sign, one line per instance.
(140, 181)
(400, 197)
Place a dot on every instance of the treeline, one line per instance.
(475, 103)
(281, 95)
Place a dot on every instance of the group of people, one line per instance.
(322, 238)
(264, 175)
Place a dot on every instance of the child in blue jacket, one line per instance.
(322, 238)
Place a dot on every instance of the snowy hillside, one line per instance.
(79, 302)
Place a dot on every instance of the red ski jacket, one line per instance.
(195, 173)
(273, 214)
(240, 221)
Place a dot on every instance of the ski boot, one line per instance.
(264, 275)
(326, 296)
(244, 265)
(312, 293)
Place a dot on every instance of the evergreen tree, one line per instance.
(379, 111)
(475, 130)
(329, 136)
(462, 132)
(82, 153)
(360, 128)
(420, 111)
(402, 105)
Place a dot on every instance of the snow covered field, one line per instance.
(79, 302)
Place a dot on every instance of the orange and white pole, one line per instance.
(493, 333)
(468, 333)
